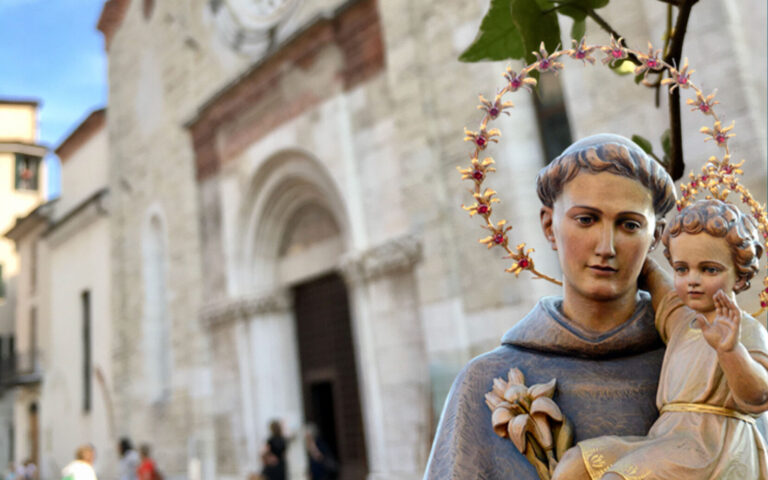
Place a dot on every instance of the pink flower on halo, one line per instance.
(495, 108)
(482, 138)
(678, 78)
(649, 63)
(614, 52)
(582, 51)
(703, 104)
(719, 134)
(546, 62)
(517, 81)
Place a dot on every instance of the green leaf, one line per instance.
(535, 27)
(587, 4)
(578, 29)
(576, 13)
(498, 37)
(597, 3)
(577, 9)
(643, 143)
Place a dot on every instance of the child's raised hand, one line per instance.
(725, 330)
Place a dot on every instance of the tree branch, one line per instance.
(676, 166)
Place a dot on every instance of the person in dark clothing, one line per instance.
(273, 453)
(322, 465)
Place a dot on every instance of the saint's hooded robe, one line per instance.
(606, 385)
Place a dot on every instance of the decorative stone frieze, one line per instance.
(229, 310)
(394, 256)
(244, 112)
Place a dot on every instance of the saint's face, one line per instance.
(602, 227)
(703, 265)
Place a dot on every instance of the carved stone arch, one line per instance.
(284, 184)
(292, 213)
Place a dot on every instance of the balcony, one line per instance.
(20, 369)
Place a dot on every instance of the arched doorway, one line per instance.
(296, 236)
(308, 258)
(328, 371)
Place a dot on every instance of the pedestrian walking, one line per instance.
(10, 473)
(322, 464)
(129, 460)
(81, 468)
(273, 453)
(147, 469)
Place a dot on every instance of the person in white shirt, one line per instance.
(81, 468)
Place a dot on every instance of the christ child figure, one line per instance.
(714, 379)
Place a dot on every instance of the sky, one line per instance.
(50, 51)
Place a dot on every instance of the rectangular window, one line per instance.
(32, 355)
(26, 172)
(86, 310)
(12, 364)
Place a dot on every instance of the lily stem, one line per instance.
(541, 469)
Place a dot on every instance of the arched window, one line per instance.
(156, 323)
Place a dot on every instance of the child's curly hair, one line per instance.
(722, 220)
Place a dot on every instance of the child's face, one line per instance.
(703, 265)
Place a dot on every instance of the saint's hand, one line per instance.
(725, 330)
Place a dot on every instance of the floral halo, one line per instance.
(718, 178)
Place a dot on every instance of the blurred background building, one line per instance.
(22, 190)
(265, 223)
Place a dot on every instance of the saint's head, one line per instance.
(604, 200)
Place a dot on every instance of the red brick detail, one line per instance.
(259, 102)
(111, 17)
(358, 33)
(95, 122)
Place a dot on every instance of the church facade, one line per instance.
(286, 228)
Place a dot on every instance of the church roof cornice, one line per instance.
(111, 18)
(92, 124)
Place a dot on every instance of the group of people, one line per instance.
(322, 463)
(27, 470)
(133, 465)
(137, 466)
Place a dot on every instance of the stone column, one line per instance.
(276, 372)
(394, 378)
(270, 379)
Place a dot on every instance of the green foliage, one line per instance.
(578, 29)
(645, 144)
(535, 26)
(513, 29)
(498, 38)
(666, 146)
